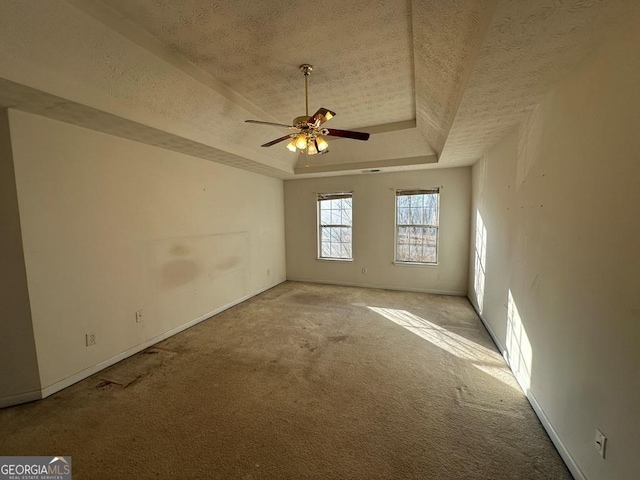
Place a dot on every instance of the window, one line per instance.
(417, 226)
(334, 214)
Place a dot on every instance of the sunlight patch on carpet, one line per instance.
(482, 358)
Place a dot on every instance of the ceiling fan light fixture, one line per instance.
(312, 148)
(309, 127)
(321, 143)
(301, 141)
(292, 145)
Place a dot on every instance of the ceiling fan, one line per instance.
(309, 134)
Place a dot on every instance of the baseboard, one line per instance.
(533, 401)
(495, 339)
(87, 372)
(20, 398)
(382, 287)
(562, 450)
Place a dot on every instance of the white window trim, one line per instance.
(319, 230)
(399, 263)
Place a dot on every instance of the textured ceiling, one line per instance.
(529, 47)
(446, 37)
(361, 50)
(184, 74)
(58, 49)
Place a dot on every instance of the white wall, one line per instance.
(112, 226)
(19, 380)
(374, 230)
(559, 199)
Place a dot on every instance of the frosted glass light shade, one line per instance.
(322, 143)
(301, 141)
(311, 148)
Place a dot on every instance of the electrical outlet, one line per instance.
(91, 339)
(364, 270)
(139, 316)
(601, 443)
(268, 272)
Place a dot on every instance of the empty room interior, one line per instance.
(419, 257)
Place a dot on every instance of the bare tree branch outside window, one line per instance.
(417, 221)
(335, 218)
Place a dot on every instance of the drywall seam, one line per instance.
(533, 401)
(20, 398)
(87, 372)
(382, 287)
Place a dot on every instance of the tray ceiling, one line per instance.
(361, 51)
(436, 83)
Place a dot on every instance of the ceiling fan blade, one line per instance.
(321, 116)
(260, 122)
(278, 140)
(332, 132)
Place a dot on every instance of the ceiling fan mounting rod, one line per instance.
(306, 70)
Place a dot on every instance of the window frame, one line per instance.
(331, 196)
(416, 191)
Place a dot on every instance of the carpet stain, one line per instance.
(337, 338)
(105, 385)
(308, 298)
(307, 345)
(132, 369)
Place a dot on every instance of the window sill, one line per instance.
(415, 264)
(337, 260)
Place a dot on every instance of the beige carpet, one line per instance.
(303, 381)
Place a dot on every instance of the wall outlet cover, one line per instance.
(601, 442)
(91, 339)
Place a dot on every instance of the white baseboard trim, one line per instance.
(533, 401)
(562, 450)
(87, 372)
(495, 339)
(20, 398)
(382, 287)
